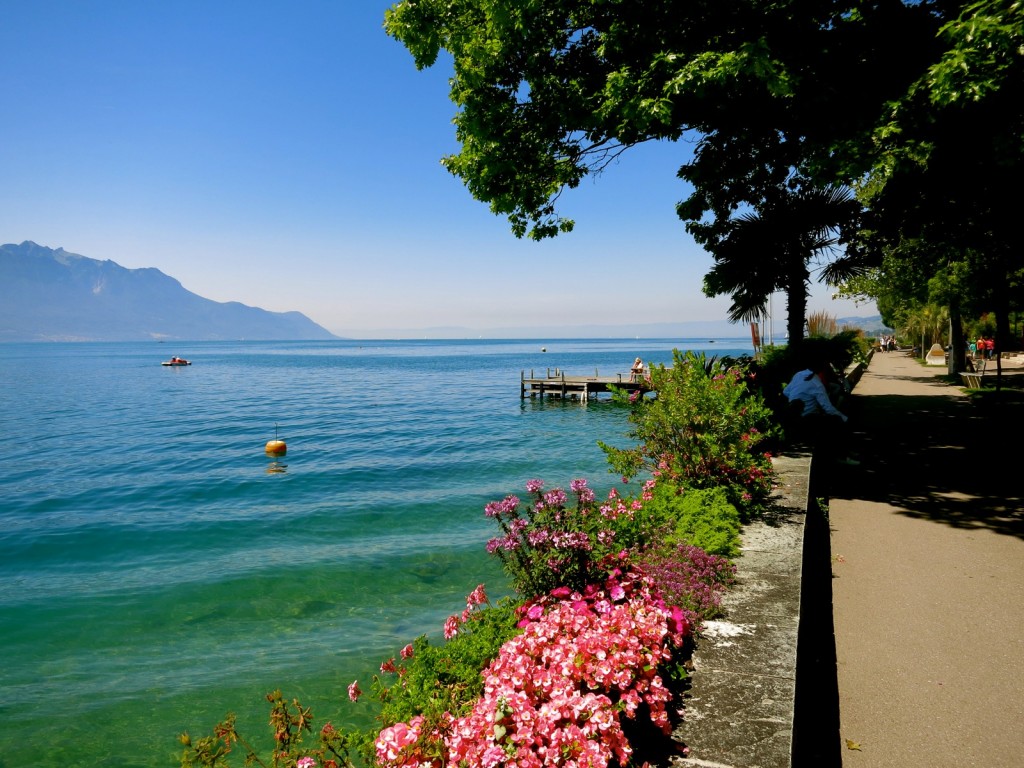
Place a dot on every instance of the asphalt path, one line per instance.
(927, 539)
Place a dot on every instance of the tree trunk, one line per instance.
(957, 361)
(796, 310)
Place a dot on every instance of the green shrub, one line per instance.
(704, 428)
(435, 679)
(701, 517)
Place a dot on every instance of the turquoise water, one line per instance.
(158, 569)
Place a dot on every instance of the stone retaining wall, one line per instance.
(740, 711)
(764, 691)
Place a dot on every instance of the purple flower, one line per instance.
(555, 498)
(506, 506)
(538, 537)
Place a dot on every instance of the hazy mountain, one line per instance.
(703, 330)
(53, 295)
(871, 325)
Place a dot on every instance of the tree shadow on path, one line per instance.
(938, 457)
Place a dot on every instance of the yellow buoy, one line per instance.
(277, 448)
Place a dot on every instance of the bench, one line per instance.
(971, 380)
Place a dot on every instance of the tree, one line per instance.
(773, 248)
(549, 91)
(946, 155)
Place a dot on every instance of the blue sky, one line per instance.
(287, 155)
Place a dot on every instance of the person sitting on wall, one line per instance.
(818, 420)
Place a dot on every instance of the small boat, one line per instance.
(176, 361)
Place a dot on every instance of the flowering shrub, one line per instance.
(557, 694)
(690, 578)
(434, 680)
(703, 430)
(573, 678)
(547, 543)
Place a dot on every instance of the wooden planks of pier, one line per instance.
(556, 383)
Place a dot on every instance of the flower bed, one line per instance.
(586, 666)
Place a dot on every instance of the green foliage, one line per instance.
(446, 678)
(704, 428)
(289, 723)
(985, 41)
(702, 517)
(548, 92)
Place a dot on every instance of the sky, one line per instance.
(286, 155)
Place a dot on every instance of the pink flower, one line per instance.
(451, 627)
(555, 498)
(392, 741)
(406, 652)
(548, 696)
(305, 762)
(388, 666)
(353, 691)
(477, 597)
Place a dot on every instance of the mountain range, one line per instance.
(54, 295)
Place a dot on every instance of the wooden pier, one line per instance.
(556, 383)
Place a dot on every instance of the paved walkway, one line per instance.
(928, 575)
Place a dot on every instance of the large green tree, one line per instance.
(549, 91)
(889, 91)
(947, 158)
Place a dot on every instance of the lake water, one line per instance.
(158, 569)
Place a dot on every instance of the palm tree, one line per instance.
(773, 248)
(929, 322)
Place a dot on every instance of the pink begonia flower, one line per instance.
(353, 691)
(451, 627)
(305, 762)
(392, 741)
(406, 652)
(551, 688)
